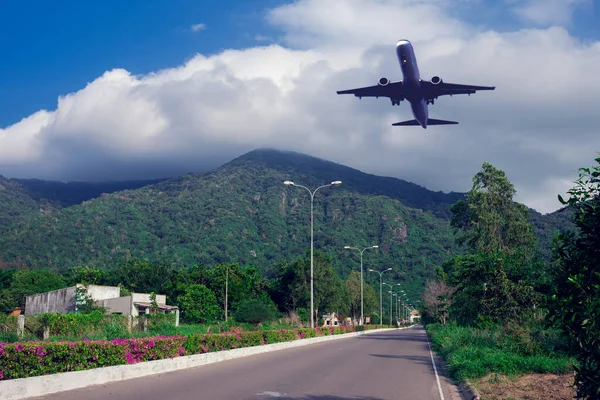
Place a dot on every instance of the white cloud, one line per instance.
(539, 125)
(198, 27)
(548, 12)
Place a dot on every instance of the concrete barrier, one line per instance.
(23, 388)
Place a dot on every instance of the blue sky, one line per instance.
(52, 48)
(538, 125)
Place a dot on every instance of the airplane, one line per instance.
(419, 93)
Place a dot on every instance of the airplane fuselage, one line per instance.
(412, 81)
(418, 92)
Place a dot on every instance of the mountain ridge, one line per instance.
(242, 212)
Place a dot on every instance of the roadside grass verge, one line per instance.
(472, 353)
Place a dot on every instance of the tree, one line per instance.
(293, 285)
(437, 298)
(243, 282)
(85, 275)
(489, 219)
(575, 305)
(26, 283)
(255, 311)
(143, 276)
(494, 281)
(84, 302)
(370, 299)
(198, 304)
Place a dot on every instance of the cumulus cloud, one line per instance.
(539, 125)
(197, 27)
(548, 12)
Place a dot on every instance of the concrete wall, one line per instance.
(63, 300)
(60, 301)
(145, 298)
(103, 292)
(122, 305)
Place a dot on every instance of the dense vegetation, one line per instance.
(239, 213)
(482, 260)
(473, 353)
(517, 312)
(575, 301)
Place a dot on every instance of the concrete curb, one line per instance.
(468, 391)
(23, 388)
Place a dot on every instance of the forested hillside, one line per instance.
(240, 212)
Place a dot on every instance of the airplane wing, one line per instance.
(433, 90)
(393, 90)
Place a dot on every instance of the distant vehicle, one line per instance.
(418, 92)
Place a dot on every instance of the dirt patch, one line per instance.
(525, 387)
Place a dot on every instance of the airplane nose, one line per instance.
(402, 42)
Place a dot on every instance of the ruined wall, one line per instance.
(145, 298)
(59, 301)
(103, 292)
(119, 305)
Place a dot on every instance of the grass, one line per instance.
(473, 353)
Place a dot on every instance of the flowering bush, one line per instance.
(22, 360)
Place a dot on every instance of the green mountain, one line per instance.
(61, 194)
(241, 212)
(16, 205)
(26, 198)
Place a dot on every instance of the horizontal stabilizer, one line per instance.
(430, 121)
(407, 123)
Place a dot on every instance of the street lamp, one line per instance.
(361, 276)
(397, 297)
(390, 307)
(312, 197)
(391, 288)
(380, 293)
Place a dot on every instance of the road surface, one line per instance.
(378, 366)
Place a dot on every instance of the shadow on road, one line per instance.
(419, 359)
(414, 337)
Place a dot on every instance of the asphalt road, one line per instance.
(390, 365)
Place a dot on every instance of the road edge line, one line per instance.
(23, 388)
(437, 377)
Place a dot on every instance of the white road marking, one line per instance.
(435, 369)
(270, 394)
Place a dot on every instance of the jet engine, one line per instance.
(383, 81)
(436, 80)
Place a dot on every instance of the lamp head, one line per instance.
(288, 183)
(375, 247)
(347, 247)
(336, 182)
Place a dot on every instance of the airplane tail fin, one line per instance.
(430, 121)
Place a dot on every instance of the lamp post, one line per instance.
(397, 298)
(312, 197)
(390, 307)
(391, 288)
(361, 276)
(380, 293)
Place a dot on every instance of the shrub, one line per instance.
(255, 311)
(21, 360)
(473, 353)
